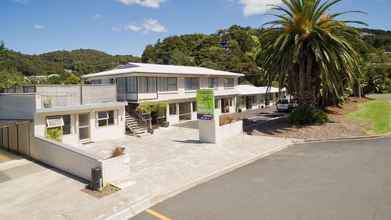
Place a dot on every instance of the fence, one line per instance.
(16, 137)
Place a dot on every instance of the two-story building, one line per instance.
(175, 85)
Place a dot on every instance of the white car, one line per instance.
(283, 105)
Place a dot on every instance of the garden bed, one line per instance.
(341, 125)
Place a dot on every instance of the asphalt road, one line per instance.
(322, 181)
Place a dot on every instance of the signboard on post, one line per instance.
(205, 104)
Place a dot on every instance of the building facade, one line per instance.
(177, 86)
(81, 113)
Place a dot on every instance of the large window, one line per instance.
(167, 84)
(147, 84)
(62, 121)
(105, 118)
(213, 83)
(229, 83)
(192, 83)
(131, 84)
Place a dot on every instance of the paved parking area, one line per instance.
(322, 181)
(161, 166)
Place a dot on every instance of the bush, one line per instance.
(54, 134)
(225, 120)
(307, 115)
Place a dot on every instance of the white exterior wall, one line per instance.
(63, 157)
(96, 133)
(17, 106)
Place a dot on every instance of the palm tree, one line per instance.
(309, 51)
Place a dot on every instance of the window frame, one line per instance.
(229, 82)
(108, 120)
(169, 109)
(193, 86)
(65, 125)
(213, 83)
(167, 84)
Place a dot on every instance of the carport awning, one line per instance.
(9, 123)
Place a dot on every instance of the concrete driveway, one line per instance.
(323, 181)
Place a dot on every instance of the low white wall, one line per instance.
(79, 163)
(64, 157)
(116, 168)
(229, 130)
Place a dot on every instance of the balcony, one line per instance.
(57, 96)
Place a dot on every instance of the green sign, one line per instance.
(205, 104)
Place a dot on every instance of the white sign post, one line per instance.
(207, 120)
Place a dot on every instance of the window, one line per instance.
(192, 83)
(216, 103)
(168, 84)
(63, 122)
(131, 84)
(147, 84)
(194, 106)
(229, 83)
(105, 118)
(172, 109)
(213, 83)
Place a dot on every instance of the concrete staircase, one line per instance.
(134, 126)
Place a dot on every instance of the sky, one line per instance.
(127, 26)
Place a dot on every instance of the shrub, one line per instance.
(226, 120)
(307, 115)
(118, 151)
(54, 134)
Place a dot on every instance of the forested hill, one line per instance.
(233, 49)
(79, 62)
(380, 39)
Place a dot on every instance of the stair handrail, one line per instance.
(146, 118)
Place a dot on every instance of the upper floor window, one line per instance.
(213, 83)
(229, 82)
(146, 84)
(168, 84)
(131, 84)
(192, 83)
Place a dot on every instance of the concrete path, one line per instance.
(162, 166)
(322, 181)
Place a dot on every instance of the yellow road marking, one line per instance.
(156, 214)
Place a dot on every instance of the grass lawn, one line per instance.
(377, 113)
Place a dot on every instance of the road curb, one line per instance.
(138, 207)
(368, 137)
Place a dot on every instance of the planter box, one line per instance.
(229, 130)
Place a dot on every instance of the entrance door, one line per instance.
(185, 111)
(84, 127)
(225, 105)
(249, 102)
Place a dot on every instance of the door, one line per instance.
(185, 111)
(84, 127)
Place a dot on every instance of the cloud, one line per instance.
(255, 7)
(149, 25)
(38, 27)
(144, 3)
(133, 28)
(152, 25)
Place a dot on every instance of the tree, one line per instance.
(72, 79)
(309, 51)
